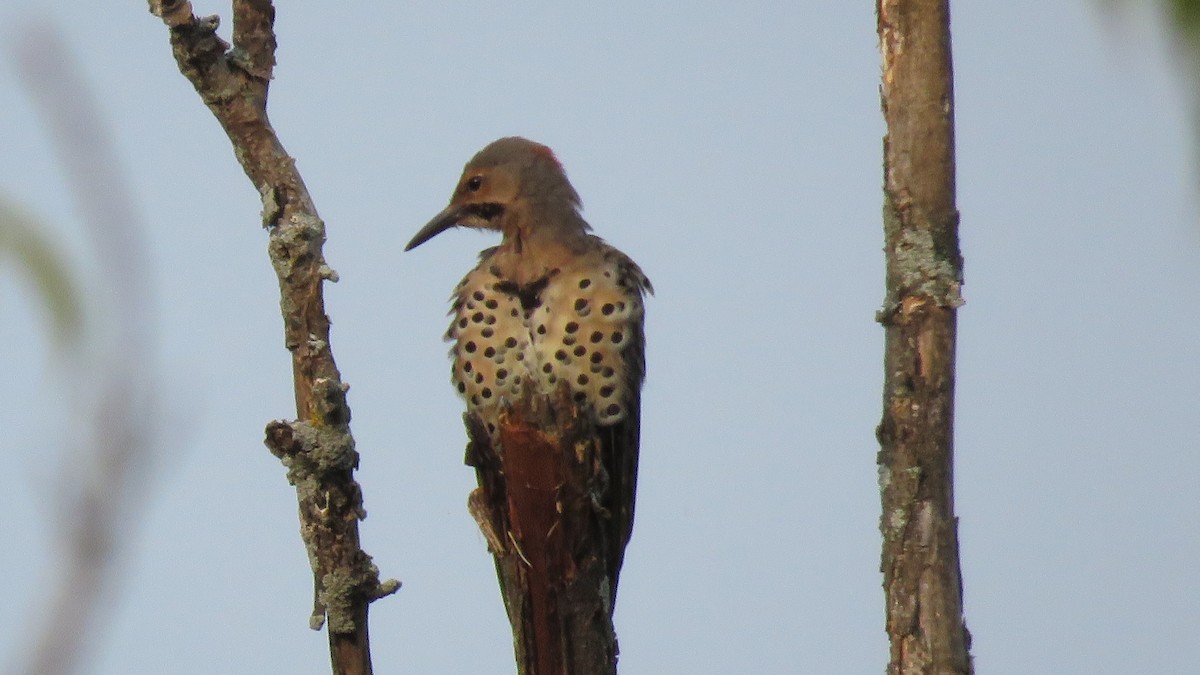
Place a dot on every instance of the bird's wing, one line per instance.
(621, 440)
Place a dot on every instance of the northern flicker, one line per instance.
(553, 310)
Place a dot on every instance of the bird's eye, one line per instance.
(474, 183)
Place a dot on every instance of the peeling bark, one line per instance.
(538, 507)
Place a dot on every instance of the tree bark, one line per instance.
(317, 448)
(538, 507)
(921, 574)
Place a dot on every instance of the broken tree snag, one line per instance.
(317, 448)
(541, 483)
(920, 562)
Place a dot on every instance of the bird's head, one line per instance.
(513, 186)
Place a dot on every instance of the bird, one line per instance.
(553, 309)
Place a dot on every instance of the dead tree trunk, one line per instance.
(538, 508)
(921, 575)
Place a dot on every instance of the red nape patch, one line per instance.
(545, 151)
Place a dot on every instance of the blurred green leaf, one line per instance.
(1186, 15)
(22, 238)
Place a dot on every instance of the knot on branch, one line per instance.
(311, 451)
(344, 589)
(319, 453)
(320, 457)
(295, 241)
(174, 12)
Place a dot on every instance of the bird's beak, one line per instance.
(452, 215)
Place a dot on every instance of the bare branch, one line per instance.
(318, 449)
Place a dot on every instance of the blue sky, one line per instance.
(735, 154)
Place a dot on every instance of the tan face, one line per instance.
(503, 187)
(483, 196)
(486, 185)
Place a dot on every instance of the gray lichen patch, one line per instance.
(923, 269)
(919, 263)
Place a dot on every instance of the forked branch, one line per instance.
(318, 448)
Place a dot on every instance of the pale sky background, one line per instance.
(733, 150)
